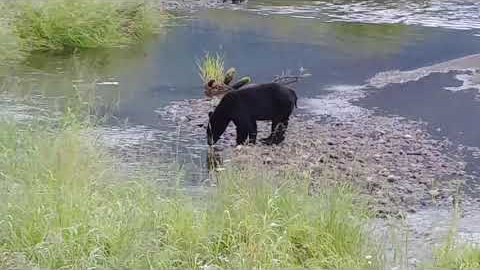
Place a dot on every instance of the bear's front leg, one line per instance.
(246, 129)
(252, 133)
(242, 135)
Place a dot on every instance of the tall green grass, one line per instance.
(10, 46)
(454, 253)
(70, 24)
(458, 256)
(66, 25)
(211, 67)
(64, 205)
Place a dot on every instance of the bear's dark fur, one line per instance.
(270, 101)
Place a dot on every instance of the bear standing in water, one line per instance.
(270, 101)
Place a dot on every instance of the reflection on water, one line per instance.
(358, 41)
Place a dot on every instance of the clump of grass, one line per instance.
(211, 67)
(64, 206)
(10, 45)
(270, 221)
(460, 256)
(455, 254)
(74, 24)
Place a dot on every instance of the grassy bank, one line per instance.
(455, 253)
(65, 206)
(458, 256)
(66, 25)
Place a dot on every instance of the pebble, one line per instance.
(392, 178)
(434, 193)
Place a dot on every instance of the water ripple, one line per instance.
(451, 14)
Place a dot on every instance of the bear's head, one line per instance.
(216, 126)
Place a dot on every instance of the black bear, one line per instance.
(270, 101)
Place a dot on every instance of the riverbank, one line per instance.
(395, 161)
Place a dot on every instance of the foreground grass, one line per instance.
(64, 206)
(66, 25)
(456, 254)
(461, 256)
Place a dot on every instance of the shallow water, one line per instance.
(343, 44)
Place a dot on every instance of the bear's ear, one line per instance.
(210, 114)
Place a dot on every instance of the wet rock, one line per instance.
(333, 156)
(434, 193)
(392, 178)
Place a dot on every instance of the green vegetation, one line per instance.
(64, 205)
(455, 254)
(66, 25)
(211, 67)
(10, 45)
(460, 256)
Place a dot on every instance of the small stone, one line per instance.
(392, 178)
(268, 160)
(349, 154)
(411, 210)
(423, 181)
(407, 137)
(434, 193)
(332, 156)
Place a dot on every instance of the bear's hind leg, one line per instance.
(268, 140)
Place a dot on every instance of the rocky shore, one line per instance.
(393, 160)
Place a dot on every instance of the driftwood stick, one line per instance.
(285, 80)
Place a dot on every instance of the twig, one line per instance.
(286, 78)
